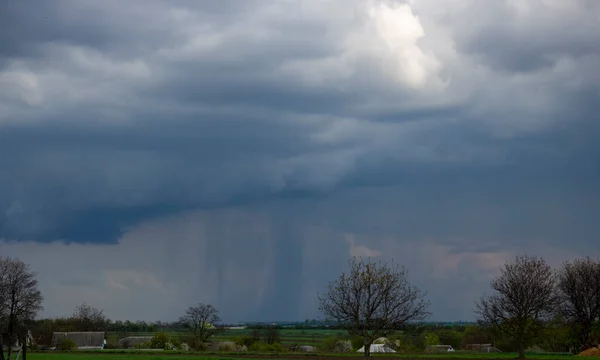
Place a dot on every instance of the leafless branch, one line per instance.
(372, 300)
(201, 320)
(579, 292)
(523, 299)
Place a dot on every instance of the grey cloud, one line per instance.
(467, 138)
(277, 255)
(529, 36)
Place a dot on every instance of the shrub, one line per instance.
(144, 345)
(328, 345)
(112, 344)
(357, 342)
(338, 345)
(176, 342)
(535, 350)
(245, 341)
(227, 347)
(67, 345)
(262, 347)
(196, 343)
(343, 346)
(184, 347)
(159, 341)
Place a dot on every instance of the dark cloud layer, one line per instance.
(251, 147)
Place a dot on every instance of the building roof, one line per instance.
(378, 348)
(83, 339)
(132, 341)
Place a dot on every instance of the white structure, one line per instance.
(306, 348)
(440, 348)
(378, 348)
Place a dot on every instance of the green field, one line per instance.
(111, 356)
(288, 336)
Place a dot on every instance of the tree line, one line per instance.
(374, 299)
(530, 303)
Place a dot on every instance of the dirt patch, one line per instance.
(590, 352)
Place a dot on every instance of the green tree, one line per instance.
(557, 336)
(451, 337)
(431, 338)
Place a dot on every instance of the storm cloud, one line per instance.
(239, 152)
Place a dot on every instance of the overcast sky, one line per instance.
(155, 154)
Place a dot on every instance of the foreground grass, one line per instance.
(149, 355)
(112, 356)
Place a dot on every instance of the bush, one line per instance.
(339, 345)
(343, 346)
(227, 347)
(262, 347)
(176, 342)
(67, 345)
(245, 341)
(184, 347)
(535, 350)
(357, 342)
(144, 345)
(112, 344)
(328, 345)
(159, 341)
(196, 343)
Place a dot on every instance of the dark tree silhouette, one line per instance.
(579, 291)
(20, 299)
(272, 334)
(523, 300)
(89, 318)
(200, 320)
(373, 300)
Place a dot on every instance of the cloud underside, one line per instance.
(231, 150)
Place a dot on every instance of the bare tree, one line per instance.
(201, 320)
(523, 301)
(579, 291)
(20, 299)
(272, 334)
(89, 318)
(373, 300)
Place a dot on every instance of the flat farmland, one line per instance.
(289, 337)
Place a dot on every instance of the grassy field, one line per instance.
(111, 356)
(288, 336)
